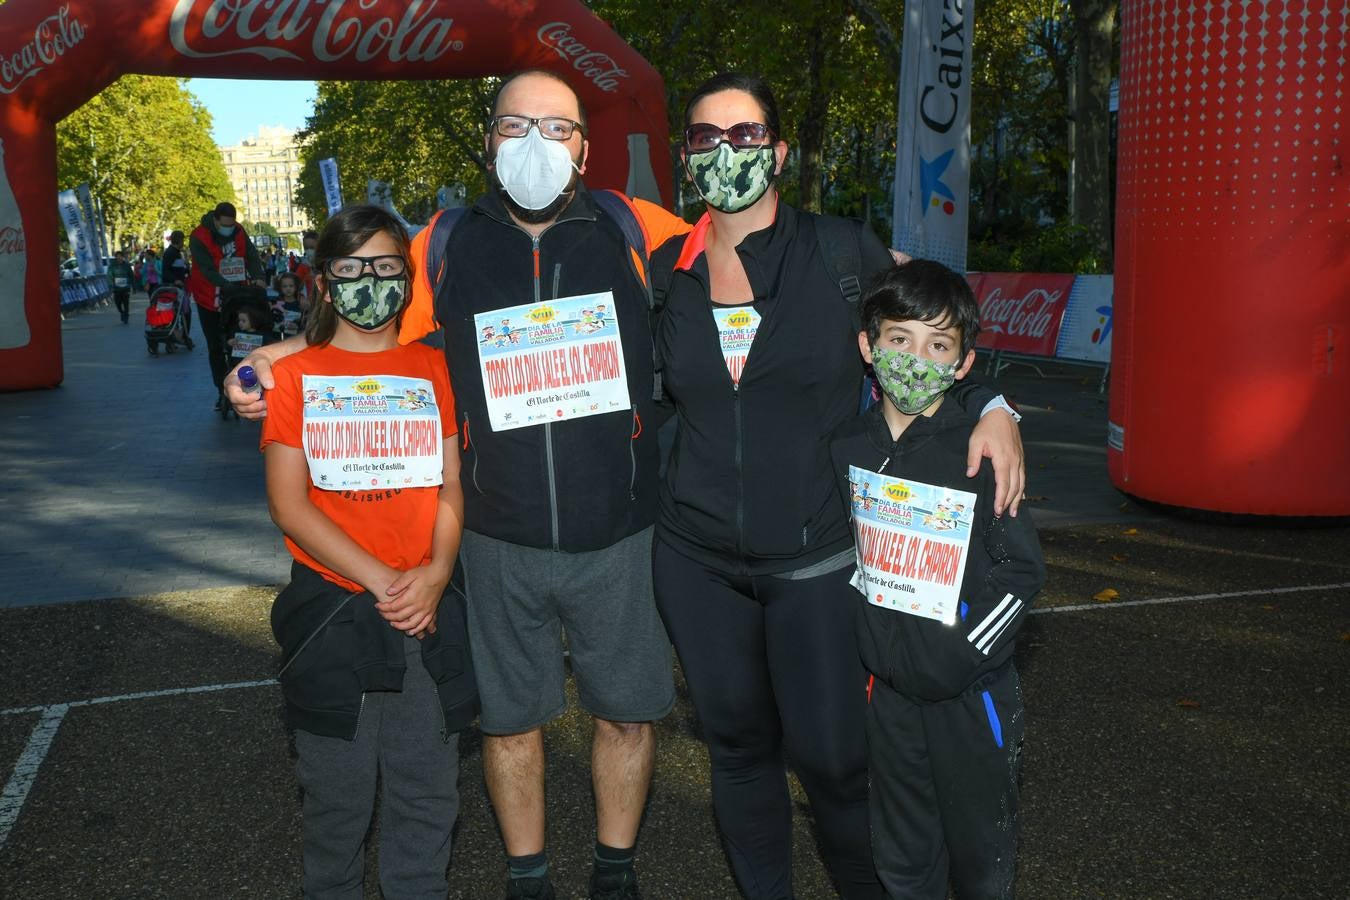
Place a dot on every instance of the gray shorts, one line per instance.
(522, 599)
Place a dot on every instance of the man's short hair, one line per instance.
(919, 291)
(544, 73)
(225, 209)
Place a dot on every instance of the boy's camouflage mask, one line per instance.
(368, 303)
(911, 383)
(729, 179)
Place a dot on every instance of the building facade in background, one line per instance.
(264, 170)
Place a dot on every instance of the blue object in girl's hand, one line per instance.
(248, 379)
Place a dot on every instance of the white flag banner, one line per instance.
(932, 151)
(90, 225)
(102, 230)
(332, 189)
(69, 205)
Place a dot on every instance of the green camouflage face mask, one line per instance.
(911, 383)
(368, 303)
(731, 180)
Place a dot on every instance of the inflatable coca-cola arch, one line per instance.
(54, 57)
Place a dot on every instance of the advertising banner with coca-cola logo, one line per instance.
(1020, 312)
(55, 56)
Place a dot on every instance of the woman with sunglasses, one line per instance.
(753, 550)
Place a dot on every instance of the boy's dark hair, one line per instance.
(917, 291)
(345, 232)
(546, 73)
(225, 209)
(756, 87)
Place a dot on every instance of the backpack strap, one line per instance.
(620, 209)
(838, 240)
(441, 229)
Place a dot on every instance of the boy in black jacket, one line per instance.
(944, 721)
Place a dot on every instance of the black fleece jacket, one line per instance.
(920, 658)
(749, 487)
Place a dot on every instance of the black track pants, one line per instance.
(215, 345)
(944, 790)
(772, 667)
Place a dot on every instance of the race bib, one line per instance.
(911, 541)
(245, 342)
(552, 361)
(232, 269)
(119, 282)
(371, 432)
(736, 329)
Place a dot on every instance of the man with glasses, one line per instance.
(560, 497)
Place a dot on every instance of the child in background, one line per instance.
(289, 306)
(377, 678)
(249, 334)
(944, 716)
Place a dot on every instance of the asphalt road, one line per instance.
(1188, 738)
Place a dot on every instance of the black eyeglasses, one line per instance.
(353, 266)
(701, 136)
(555, 128)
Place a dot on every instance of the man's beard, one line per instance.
(537, 216)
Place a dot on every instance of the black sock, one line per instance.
(534, 865)
(612, 860)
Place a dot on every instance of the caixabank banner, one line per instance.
(55, 56)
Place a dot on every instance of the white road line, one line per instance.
(1159, 600)
(25, 770)
(146, 695)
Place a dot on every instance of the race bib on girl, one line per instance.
(736, 329)
(371, 432)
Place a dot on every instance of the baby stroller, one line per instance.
(168, 319)
(246, 324)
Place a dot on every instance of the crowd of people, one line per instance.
(421, 599)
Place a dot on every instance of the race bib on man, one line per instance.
(911, 541)
(371, 432)
(232, 269)
(552, 361)
(119, 281)
(736, 329)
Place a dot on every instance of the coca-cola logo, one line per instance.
(11, 240)
(267, 26)
(1030, 315)
(599, 67)
(52, 37)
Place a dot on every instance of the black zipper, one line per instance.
(740, 479)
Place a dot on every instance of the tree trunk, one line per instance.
(1091, 190)
(811, 131)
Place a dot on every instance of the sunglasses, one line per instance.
(701, 136)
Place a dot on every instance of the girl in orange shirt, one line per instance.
(365, 486)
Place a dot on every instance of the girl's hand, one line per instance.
(410, 603)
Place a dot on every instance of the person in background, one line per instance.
(121, 277)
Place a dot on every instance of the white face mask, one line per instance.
(534, 171)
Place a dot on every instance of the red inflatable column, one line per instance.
(1230, 372)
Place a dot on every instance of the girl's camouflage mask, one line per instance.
(731, 180)
(368, 303)
(910, 382)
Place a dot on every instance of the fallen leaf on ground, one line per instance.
(1118, 558)
(1188, 704)
(1131, 530)
(1106, 595)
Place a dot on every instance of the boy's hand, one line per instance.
(409, 604)
(998, 437)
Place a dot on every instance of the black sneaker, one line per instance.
(618, 886)
(530, 889)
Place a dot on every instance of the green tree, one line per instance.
(416, 135)
(1090, 194)
(144, 145)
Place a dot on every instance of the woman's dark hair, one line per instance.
(919, 291)
(344, 234)
(753, 85)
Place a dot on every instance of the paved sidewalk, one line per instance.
(124, 482)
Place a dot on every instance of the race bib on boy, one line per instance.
(552, 361)
(911, 541)
(736, 329)
(232, 268)
(371, 432)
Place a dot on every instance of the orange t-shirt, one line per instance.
(371, 426)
